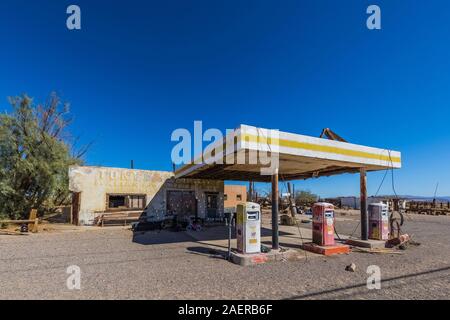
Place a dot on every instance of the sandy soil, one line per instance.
(168, 265)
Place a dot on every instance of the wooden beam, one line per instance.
(363, 195)
(275, 241)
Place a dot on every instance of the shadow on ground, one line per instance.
(210, 252)
(206, 234)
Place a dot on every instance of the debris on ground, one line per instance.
(351, 267)
(264, 249)
(194, 226)
(287, 220)
(400, 242)
(24, 228)
(376, 251)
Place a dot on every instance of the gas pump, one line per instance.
(323, 224)
(378, 221)
(248, 227)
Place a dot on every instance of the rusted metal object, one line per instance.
(396, 221)
(400, 242)
(330, 134)
(428, 207)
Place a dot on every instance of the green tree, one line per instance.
(35, 155)
(303, 197)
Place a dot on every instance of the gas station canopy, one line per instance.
(246, 150)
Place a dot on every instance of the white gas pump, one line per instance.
(378, 221)
(248, 227)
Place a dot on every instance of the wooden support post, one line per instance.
(32, 217)
(363, 194)
(275, 241)
(35, 226)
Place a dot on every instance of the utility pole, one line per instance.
(434, 197)
(292, 207)
(250, 191)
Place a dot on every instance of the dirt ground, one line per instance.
(115, 264)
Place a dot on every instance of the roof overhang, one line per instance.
(246, 154)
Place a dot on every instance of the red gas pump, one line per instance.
(323, 224)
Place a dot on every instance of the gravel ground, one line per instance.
(171, 265)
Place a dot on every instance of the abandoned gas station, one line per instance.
(298, 157)
(197, 189)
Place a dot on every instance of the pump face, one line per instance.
(253, 215)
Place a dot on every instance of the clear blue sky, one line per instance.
(140, 69)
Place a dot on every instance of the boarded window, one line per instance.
(239, 197)
(136, 202)
(116, 202)
(125, 201)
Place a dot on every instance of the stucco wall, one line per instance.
(232, 191)
(95, 183)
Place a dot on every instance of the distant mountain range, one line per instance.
(422, 198)
(413, 198)
(419, 198)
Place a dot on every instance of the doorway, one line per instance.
(75, 216)
(212, 201)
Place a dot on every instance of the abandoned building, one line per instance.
(197, 188)
(233, 195)
(150, 194)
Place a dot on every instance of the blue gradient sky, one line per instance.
(140, 69)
